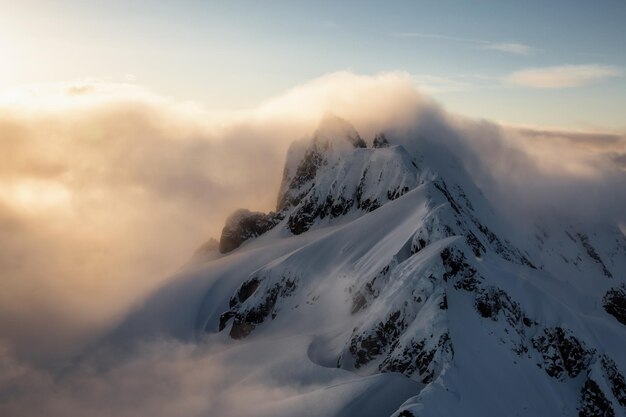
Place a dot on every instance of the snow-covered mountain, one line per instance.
(385, 283)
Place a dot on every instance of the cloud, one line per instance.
(161, 379)
(511, 48)
(77, 172)
(433, 84)
(507, 47)
(562, 76)
(104, 194)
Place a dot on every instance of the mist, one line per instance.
(107, 189)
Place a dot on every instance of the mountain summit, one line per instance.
(388, 279)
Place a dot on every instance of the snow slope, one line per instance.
(386, 284)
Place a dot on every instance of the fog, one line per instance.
(162, 379)
(106, 189)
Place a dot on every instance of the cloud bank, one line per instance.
(105, 189)
(163, 379)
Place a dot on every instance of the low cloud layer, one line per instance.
(161, 379)
(562, 76)
(105, 189)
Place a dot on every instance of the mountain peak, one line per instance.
(332, 129)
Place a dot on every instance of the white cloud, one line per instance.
(507, 47)
(434, 84)
(563, 76)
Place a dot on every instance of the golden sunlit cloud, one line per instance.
(106, 187)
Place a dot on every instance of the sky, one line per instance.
(532, 63)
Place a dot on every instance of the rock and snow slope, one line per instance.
(385, 284)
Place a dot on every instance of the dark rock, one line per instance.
(305, 173)
(244, 225)
(584, 240)
(593, 402)
(614, 302)
(495, 304)
(380, 141)
(224, 317)
(367, 345)
(615, 379)
(492, 301)
(251, 305)
(303, 218)
(358, 142)
(245, 291)
(562, 353)
(456, 266)
(473, 242)
(416, 358)
(442, 187)
(397, 193)
(443, 304)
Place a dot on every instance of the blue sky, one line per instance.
(558, 63)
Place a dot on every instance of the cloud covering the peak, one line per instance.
(106, 188)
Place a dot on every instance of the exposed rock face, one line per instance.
(591, 251)
(337, 175)
(255, 302)
(328, 177)
(419, 358)
(615, 379)
(563, 354)
(243, 225)
(380, 141)
(614, 303)
(593, 402)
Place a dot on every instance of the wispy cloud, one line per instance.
(563, 76)
(511, 48)
(507, 47)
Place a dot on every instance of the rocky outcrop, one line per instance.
(380, 141)
(244, 225)
(254, 302)
(614, 379)
(614, 303)
(593, 254)
(593, 402)
(418, 358)
(563, 354)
